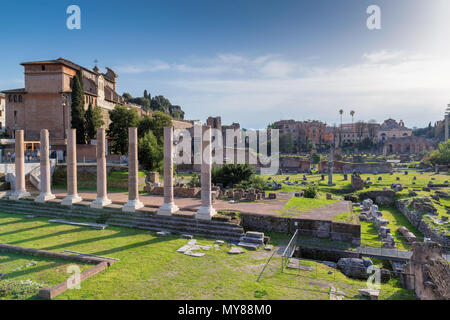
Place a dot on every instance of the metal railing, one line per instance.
(289, 251)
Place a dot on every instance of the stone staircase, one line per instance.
(29, 186)
(144, 219)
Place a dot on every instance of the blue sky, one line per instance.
(253, 61)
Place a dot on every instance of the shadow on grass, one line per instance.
(24, 229)
(55, 234)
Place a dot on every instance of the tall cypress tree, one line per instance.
(93, 121)
(77, 109)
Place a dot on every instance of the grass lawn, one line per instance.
(25, 275)
(150, 267)
(296, 206)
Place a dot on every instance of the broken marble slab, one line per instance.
(371, 293)
(235, 250)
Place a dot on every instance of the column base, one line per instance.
(99, 203)
(205, 213)
(19, 194)
(132, 206)
(71, 199)
(44, 197)
(167, 209)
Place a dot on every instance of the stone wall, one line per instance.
(431, 273)
(417, 221)
(346, 167)
(182, 192)
(337, 231)
(322, 254)
(295, 164)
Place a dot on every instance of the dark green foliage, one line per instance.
(121, 119)
(316, 158)
(151, 153)
(442, 155)
(155, 123)
(310, 192)
(77, 109)
(195, 180)
(93, 121)
(254, 182)
(231, 174)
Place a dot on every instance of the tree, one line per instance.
(352, 113)
(93, 121)
(442, 155)
(121, 119)
(341, 112)
(77, 109)
(160, 103)
(156, 124)
(151, 153)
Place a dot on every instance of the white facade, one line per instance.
(2, 112)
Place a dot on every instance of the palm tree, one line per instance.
(352, 113)
(341, 112)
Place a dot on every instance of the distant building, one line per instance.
(390, 129)
(45, 102)
(2, 112)
(299, 133)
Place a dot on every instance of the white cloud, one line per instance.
(256, 91)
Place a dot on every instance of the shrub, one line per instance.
(231, 174)
(255, 182)
(310, 192)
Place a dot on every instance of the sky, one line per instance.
(250, 61)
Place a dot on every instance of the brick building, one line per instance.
(45, 102)
(302, 132)
(2, 112)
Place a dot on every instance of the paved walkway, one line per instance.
(264, 207)
(328, 212)
(261, 207)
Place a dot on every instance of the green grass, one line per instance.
(349, 217)
(25, 275)
(150, 267)
(296, 206)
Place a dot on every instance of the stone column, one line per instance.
(446, 128)
(133, 192)
(168, 206)
(72, 188)
(102, 196)
(20, 190)
(330, 169)
(46, 192)
(206, 210)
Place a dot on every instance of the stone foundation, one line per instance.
(417, 221)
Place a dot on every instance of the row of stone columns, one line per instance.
(169, 207)
(206, 210)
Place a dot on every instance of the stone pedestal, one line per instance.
(72, 184)
(133, 189)
(102, 196)
(46, 192)
(19, 191)
(168, 207)
(206, 210)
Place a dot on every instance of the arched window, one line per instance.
(15, 98)
(20, 98)
(10, 98)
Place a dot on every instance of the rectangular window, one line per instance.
(15, 116)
